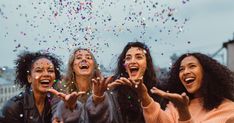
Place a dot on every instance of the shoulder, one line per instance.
(227, 105)
(225, 109)
(13, 107)
(14, 102)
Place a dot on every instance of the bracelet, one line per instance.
(98, 99)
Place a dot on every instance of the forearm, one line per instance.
(65, 114)
(145, 99)
(184, 114)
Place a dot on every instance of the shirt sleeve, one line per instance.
(70, 116)
(154, 114)
(101, 112)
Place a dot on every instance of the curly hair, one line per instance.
(127, 97)
(70, 75)
(218, 81)
(24, 64)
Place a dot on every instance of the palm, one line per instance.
(179, 100)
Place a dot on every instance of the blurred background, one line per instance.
(168, 27)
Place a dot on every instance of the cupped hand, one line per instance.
(100, 85)
(69, 99)
(179, 100)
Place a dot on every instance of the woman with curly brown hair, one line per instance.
(35, 72)
(200, 90)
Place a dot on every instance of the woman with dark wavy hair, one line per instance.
(35, 72)
(210, 89)
(134, 77)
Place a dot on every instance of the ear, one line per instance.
(29, 79)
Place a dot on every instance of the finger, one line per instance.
(53, 91)
(95, 82)
(159, 92)
(126, 81)
(61, 95)
(121, 81)
(109, 79)
(136, 83)
(185, 97)
(81, 93)
(113, 85)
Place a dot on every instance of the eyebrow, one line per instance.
(190, 63)
(139, 54)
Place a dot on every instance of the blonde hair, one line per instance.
(70, 75)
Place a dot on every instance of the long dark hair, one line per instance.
(24, 64)
(127, 98)
(218, 81)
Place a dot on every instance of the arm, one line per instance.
(100, 112)
(154, 114)
(178, 109)
(230, 119)
(64, 114)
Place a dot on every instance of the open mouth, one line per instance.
(189, 80)
(134, 70)
(45, 82)
(83, 66)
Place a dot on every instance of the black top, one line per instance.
(22, 109)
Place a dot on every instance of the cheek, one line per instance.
(125, 64)
(180, 77)
(53, 75)
(143, 65)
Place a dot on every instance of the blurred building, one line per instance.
(230, 54)
(7, 90)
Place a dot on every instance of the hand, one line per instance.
(56, 120)
(177, 99)
(69, 99)
(118, 82)
(180, 101)
(100, 85)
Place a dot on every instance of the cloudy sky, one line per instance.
(105, 26)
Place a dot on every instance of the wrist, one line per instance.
(146, 100)
(184, 114)
(71, 107)
(97, 99)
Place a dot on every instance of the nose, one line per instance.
(133, 60)
(186, 71)
(46, 73)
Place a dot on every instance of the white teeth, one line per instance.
(189, 79)
(83, 65)
(45, 80)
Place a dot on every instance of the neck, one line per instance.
(39, 101)
(83, 83)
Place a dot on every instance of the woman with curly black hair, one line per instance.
(35, 73)
(134, 77)
(210, 89)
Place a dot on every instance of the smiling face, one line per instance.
(135, 62)
(42, 75)
(83, 64)
(191, 75)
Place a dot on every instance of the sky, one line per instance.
(106, 26)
